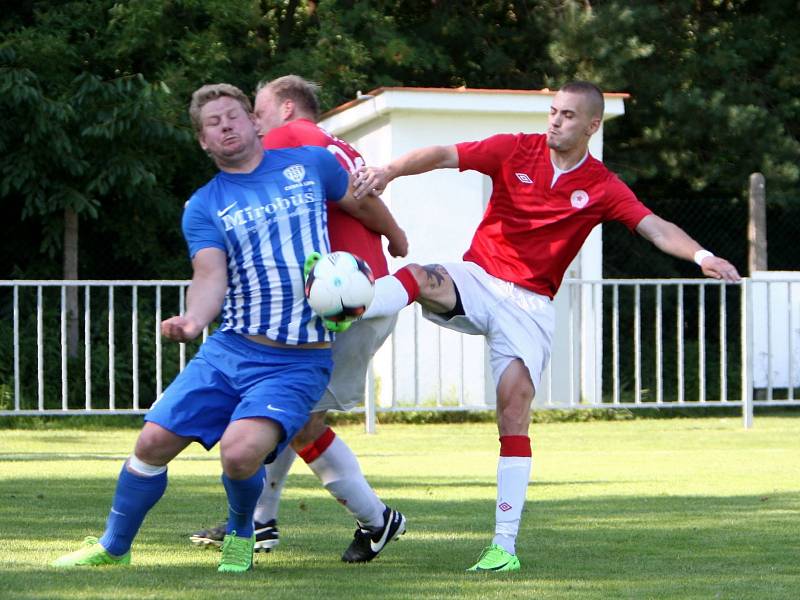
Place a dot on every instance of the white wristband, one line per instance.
(701, 255)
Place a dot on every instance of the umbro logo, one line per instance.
(524, 177)
(504, 506)
(295, 173)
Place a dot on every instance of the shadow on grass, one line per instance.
(601, 547)
(88, 456)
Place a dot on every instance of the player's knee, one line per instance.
(514, 412)
(513, 420)
(418, 272)
(412, 278)
(155, 446)
(239, 461)
(239, 465)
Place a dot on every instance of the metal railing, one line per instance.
(42, 307)
(658, 343)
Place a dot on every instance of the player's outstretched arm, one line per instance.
(204, 297)
(673, 240)
(373, 180)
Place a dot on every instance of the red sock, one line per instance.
(409, 283)
(311, 452)
(515, 445)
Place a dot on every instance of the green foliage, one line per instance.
(713, 92)
(81, 422)
(98, 147)
(95, 95)
(85, 135)
(351, 46)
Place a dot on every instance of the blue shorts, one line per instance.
(234, 378)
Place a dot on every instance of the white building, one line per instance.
(391, 121)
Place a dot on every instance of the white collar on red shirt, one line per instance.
(558, 172)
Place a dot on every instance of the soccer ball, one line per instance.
(340, 287)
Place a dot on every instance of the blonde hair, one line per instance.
(213, 91)
(300, 91)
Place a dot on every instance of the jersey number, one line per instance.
(348, 163)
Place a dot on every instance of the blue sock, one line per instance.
(242, 498)
(134, 497)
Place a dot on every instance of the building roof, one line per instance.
(360, 98)
(384, 100)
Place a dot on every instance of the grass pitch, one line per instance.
(682, 508)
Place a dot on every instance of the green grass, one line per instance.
(678, 508)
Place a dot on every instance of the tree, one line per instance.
(713, 98)
(702, 77)
(78, 144)
(350, 46)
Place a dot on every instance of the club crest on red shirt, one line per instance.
(579, 199)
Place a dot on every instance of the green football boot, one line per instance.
(311, 260)
(495, 558)
(92, 554)
(336, 327)
(237, 553)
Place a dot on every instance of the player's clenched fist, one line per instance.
(180, 329)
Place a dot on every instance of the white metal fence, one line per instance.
(657, 343)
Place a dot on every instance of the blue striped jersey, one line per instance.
(267, 222)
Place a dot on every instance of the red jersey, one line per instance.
(531, 231)
(345, 232)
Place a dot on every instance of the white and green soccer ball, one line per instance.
(340, 287)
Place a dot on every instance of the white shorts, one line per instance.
(352, 351)
(517, 323)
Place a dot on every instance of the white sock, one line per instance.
(513, 475)
(267, 506)
(390, 298)
(144, 469)
(338, 470)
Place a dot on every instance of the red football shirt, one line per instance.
(531, 231)
(345, 232)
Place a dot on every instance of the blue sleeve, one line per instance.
(199, 229)
(334, 178)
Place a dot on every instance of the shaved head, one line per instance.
(591, 92)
